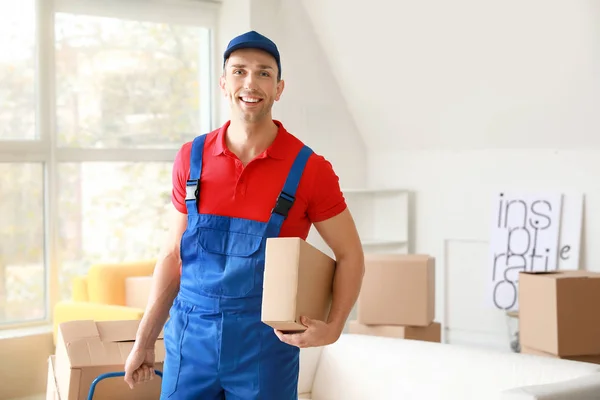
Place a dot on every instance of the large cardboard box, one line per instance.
(558, 312)
(430, 333)
(594, 359)
(298, 281)
(87, 349)
(397, 289)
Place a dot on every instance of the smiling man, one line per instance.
(232, 189)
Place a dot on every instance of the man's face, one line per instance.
(250, 84)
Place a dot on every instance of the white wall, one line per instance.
(466, 73)
(457, 99)
(24, 366)
(234, 19)
(453, 208)
(312, 106)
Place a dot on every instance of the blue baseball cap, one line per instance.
(253, 40)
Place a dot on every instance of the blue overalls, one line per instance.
(216, 345)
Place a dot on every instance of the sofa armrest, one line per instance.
(78, 310)
(309, 361)
(79, 289)
(583, 388)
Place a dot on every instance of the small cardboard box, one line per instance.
(298, 281)
(594, 359)
(137, 291)
(87, 349)
(397, 289)
(430, 333)
(558, 312)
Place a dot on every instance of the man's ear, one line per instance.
(280, 87)
(222, 84)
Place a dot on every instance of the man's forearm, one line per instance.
(347, 282)
(165, 286)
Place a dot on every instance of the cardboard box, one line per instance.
(397, 289)
(594, 359)
(430, 333)
(137, 291)
(86, 349)
(298, 281)
(558, 312)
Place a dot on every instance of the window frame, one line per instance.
(45, 149)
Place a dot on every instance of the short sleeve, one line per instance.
(326, 197)
(179, 177)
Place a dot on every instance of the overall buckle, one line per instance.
(284, 204)
(191, 190)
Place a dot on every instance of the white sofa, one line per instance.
(360, 367)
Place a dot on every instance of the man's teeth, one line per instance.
(250, 100)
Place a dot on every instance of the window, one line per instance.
(109, 211)
(17, 71)
(22, 280)
(97, 97)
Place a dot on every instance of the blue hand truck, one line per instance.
(110, 375)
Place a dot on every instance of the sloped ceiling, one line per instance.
(466, 73)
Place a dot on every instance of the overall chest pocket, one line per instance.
(229, 262)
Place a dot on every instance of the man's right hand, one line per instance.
(139, 366)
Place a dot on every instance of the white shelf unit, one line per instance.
(382, 218)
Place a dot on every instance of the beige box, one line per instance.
(298, 281)
(430, 333)
(87, 349)
(594, 359)
(137, 291)
(397, 289)
(558, 312)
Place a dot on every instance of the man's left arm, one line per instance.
(340, 234)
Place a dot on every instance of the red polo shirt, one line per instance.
(229, 189)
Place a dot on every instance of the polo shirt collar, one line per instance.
(277, 149)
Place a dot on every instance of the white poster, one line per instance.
(571, 225)
(525, 237)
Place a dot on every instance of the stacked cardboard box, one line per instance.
(397, 298)
(558, 314)
(87, 349)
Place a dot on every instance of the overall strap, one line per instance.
(286, 198)
(192, 190)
